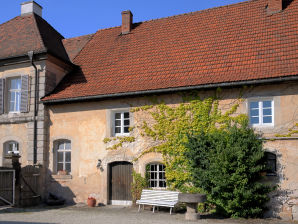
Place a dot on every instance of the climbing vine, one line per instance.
(291, 132)
(169, 127)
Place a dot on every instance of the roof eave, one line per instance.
(176, 89)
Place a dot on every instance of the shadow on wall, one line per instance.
(54, 187)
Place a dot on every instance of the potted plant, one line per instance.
(91, 201)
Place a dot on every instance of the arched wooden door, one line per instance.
(120, 179)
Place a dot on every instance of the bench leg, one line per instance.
(170, 211)
(139, 207)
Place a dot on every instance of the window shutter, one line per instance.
(1, 96)
(24, 93)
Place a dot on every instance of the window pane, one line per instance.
(153, 183)
(152, 176)
(60, 156)
(126, 122)
(126, 115)
(67, 156)
(126, 129)
(67, 145)
(254, 112)
(162, 184)
(61, 145)
(267, 120)
(59, 166)
(267, 103)
(161, 167)
(117, 130)
(68, 167)
(254, 104)
(118, 123)
(254, 120)
(267, 112)
(15, 84)
(18, 97)
(117, 115)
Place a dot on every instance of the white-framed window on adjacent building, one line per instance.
(261, 112)
(14, 94)
(11, 147)
(121, 123)
(155, 173)
(63, 156)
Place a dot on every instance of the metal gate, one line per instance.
(7, 187)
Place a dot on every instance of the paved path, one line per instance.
(107, 215)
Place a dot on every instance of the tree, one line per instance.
(227, 164)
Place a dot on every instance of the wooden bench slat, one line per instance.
(158, 198)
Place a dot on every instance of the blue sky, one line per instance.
(79, 17)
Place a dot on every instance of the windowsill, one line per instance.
(62, 177)
(121, 135)
(262, 126)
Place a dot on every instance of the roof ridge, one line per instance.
(39, 36)
(201, 11)
(9, 20)
(83, 47)
(183, 14)
(71, 38)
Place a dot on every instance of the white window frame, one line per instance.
(9, 94)
(261, 116)
(64, 150)
(15, 147)
(157, 179)
(122, 123)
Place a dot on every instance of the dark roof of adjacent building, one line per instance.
(227, 44)
(30, 33)
(74, 45)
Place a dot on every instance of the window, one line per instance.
(63, 156)
(156, 175)
(14, 94)
(11, 147)
(121, 123)
(271, 163)
(261, 112)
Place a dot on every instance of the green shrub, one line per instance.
(226, 164)
(138, 184)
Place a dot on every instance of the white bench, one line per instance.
(158, 198)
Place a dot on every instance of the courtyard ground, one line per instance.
(108, 215)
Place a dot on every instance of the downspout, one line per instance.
(30, 54)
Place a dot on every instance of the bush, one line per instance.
(226, 164)
(138, 184)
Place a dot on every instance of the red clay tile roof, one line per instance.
(74, 45)
(226, 44)
(30, 32)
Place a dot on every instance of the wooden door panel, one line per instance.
(120, 181)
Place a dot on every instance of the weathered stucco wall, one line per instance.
(87, 124)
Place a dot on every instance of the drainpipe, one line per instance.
(30, 54)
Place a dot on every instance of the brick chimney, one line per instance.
(31, 7)
(274, 6)
(126, 21)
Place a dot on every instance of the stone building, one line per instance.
(88, 87)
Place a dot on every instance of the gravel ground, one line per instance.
(108, 215)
